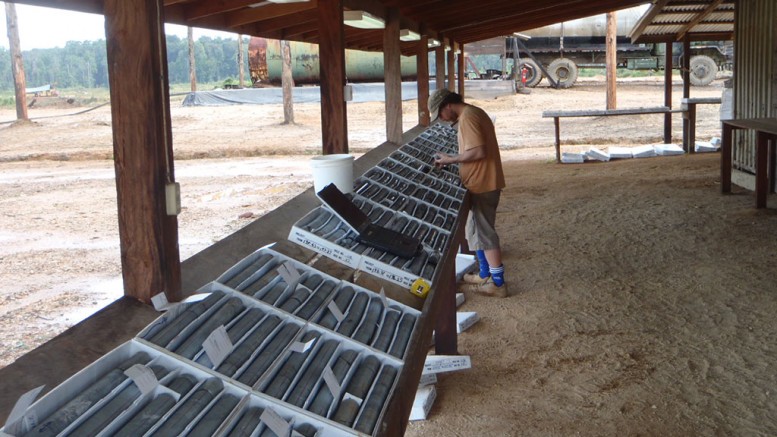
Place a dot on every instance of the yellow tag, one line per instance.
(420, 287)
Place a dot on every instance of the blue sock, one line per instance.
(483, 263)
(498, 275)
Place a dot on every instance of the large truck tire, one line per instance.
(563, 71)
(533, 72)
(703, 70)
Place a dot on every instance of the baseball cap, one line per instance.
(435, 100)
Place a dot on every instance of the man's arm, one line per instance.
(468, 155)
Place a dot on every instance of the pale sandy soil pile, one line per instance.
(644, 297)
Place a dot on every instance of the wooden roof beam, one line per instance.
(646, 19)
(89, 6)
(541, 16)
(266, 12)
(207, 8)
(266, 27)
(698, 19)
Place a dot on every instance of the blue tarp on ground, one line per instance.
(39, 89)
(362, 92)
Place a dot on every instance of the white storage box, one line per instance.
(620, 152)
(668, 149)
(705, 146)
(572, 158)
(643, 151)
(595, 154)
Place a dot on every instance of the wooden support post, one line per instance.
(611, 60)
(557, 131)
(668, 92)
(142, 145)
(240, 60)
(761, 166)
(17, 68)
(686, 67)
(461, 64)
(445, 335)
(422, 66)
(392, 78)
(451, 68)
(726, 148)
(192, 63)
(287, 83)
(439, 66)
(334, 123)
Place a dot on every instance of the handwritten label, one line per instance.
(331, 382)
(143, 377)
(288, 272)
(276, 423)
(13, 425)
(160, 302)
(336, 311)
(301, 347)
(218, 346)
(356, 399)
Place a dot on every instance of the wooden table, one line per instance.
(597, 113)
(688, 107)
(766, 129)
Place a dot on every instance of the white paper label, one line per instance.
(218, 346)
(160, 302)
(383, 298)
(276, 423)
(288, 272)
(301, 347)
(143, 377)
(331, 382)
(446, 363)
(353, 398)
(19, 408)
(336, 311)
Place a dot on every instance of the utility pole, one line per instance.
(612, 50)
(192, 68)
(240, 75)
(16, 61)
(287, 83)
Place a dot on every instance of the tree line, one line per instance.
(84, 63)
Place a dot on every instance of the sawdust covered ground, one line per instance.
(643, 305)
(643, 296)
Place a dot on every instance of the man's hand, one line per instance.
(442, 159)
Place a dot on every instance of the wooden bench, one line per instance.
(688, 106)
(557, 115)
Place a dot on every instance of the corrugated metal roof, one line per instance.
(461, 21)
(698, 20)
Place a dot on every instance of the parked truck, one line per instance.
(563, 48)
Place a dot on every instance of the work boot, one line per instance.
(474, 278)
(490, 289)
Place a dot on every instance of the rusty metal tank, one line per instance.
(594, 26)
(265, 63)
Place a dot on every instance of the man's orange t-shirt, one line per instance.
(477, 130)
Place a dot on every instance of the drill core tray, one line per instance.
(284, 345)
(403, 193)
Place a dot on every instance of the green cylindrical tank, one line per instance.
(265, 62)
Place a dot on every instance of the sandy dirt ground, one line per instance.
(642, 297)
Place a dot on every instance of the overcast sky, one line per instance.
(48, 27)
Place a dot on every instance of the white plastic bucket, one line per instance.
(337, 169)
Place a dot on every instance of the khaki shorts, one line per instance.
(480, 228)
